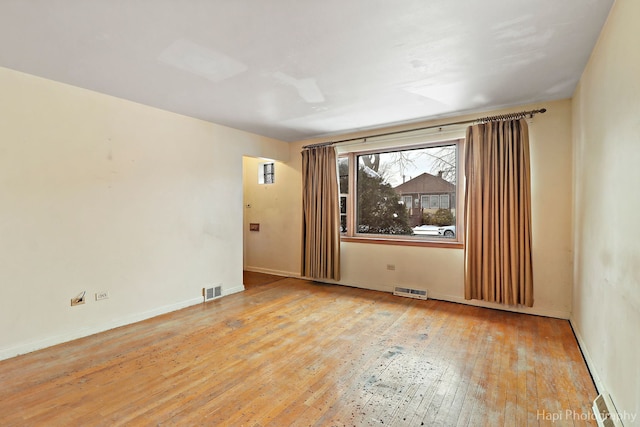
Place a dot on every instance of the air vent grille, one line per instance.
(212, 293)
(410, 293)
(605, 412)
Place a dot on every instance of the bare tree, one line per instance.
(372, 161)
(444, 162)
(441, 162)
(396, 165)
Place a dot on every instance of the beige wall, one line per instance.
(606, 296)
(275, 249)
(101, 194)
(440, 271)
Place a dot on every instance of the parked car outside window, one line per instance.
(447, 231)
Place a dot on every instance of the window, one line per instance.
(267, 173)
(424, 202)
(434, 202)
(408, 203)
(444, 201)
(400, 195)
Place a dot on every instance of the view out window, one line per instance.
(387, 183)
(343, 175)
(267, 173)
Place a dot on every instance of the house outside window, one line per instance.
(408, 203)
(444, 201)
(401, 195)
(434, 202)
(424, 201)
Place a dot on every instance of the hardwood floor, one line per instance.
(250, 279)
(292, 352)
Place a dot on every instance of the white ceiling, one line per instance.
(295, 69)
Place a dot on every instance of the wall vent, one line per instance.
(605, 412)
(211, 293)
(410, 293)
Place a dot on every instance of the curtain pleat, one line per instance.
(498, 261)
(320, 214)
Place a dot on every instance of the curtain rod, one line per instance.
(509, 116)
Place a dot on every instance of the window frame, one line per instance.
(447, 198)
(428, 241)
(408, 206)
(267, 173)
(424, 201)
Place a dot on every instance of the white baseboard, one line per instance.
(587, 357)
(274, 272)
(233, 290)
(28, 347)
(558, 314)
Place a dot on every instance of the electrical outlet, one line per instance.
(80, 299)
(102, 295)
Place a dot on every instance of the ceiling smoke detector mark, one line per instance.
(188, 56)
(307, 88)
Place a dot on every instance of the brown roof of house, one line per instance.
(426, 183)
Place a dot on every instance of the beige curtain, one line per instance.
(498, 265)
(320, 214)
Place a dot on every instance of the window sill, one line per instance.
(404, 242)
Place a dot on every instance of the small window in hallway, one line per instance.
(267, 173)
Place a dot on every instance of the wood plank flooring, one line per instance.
(288, 352)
